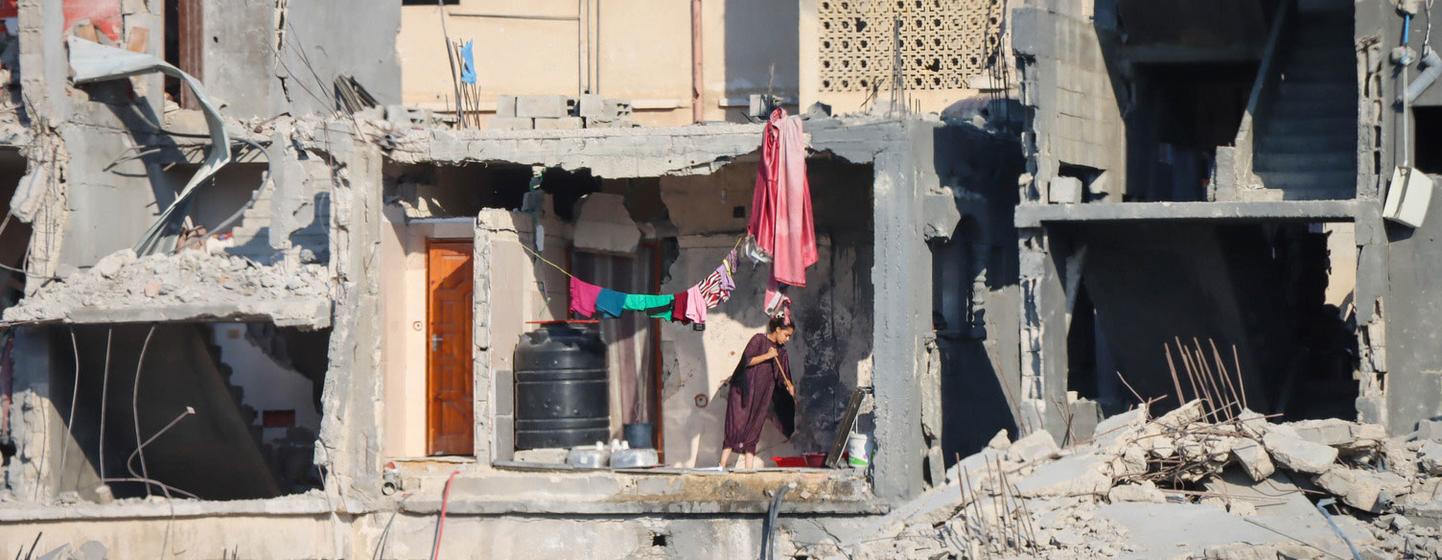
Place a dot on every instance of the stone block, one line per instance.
(622, 122)
(512, 123)
(1035, 446)
(1254, 459)
(559, 123)
(1297, 454)
(1144, 492)
(999, 441)
(505, 105)
(1083, 419)
(505, 437)
(544, 106)
(592, 106)
(1064, 190)
(504, 382)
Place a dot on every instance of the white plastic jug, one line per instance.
(857, 455)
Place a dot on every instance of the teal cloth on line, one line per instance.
(655, 306)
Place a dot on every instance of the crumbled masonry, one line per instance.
(1185, 485)
(190, 285)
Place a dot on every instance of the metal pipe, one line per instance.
(697, 110)
(1433, 68)
(518, 16)
(578, 72)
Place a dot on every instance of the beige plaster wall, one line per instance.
(403, 279)
(639, 50)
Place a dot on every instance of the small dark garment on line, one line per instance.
(754, 392)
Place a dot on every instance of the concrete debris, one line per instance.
(1229, 484)
(1344, 435)
(1037, 445)
(1430, 457)
(190, 285)
(1298, 454)
(1364, 490)
(1146, 491)
(999, 441)
(1254, 459)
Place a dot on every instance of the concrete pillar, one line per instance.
(902, 279)
(1043, 336)
(350, 441)
(34, 420)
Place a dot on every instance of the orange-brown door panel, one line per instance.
(449, 416)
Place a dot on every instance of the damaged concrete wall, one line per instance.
(1076, 107)
(511, 288)
(266, 59)
(1396, 300)
(830, 355)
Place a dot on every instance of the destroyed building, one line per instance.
(269, 267)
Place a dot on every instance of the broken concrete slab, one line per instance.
(1113, 428)
(1254, 459)
(1081, 474)
(1153, 529)
(1035, 446)
(1364, 490)
(192, 286)
(1340, 433)
(973, 465)
(1181, 416)
(1298, 454)
(1429, 457)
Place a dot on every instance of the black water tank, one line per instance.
(562, 393)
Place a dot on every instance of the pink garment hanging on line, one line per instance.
(695, 305)
(781, 205)
(583, 297)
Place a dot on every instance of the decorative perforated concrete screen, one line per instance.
(943, 42)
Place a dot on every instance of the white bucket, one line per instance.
(856, 451)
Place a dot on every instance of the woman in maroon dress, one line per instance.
(762, 369)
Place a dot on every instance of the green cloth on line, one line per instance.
(656, 306)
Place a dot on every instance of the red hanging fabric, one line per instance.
(781, 205)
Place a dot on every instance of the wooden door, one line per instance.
(449, 418)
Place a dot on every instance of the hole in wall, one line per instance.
(255, 400)
(1427, 138)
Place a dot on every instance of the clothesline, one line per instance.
(568, 274)
(688, 307)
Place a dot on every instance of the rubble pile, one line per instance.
(122, 281)
(1193, 483)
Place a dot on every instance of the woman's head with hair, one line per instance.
(780, 329)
